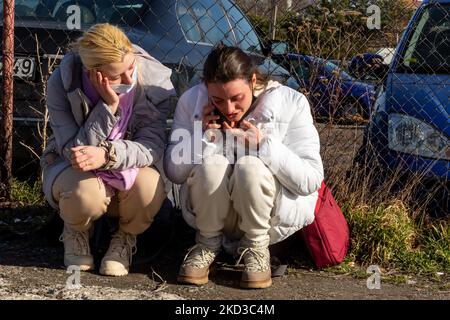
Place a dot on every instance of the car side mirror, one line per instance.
(276, 47)
(368, 66)
(279, 47)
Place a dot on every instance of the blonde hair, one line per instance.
(102, 44)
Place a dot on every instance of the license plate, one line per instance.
(23, 67)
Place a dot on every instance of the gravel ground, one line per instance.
(31, 268)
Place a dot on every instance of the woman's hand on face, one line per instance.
(101, 84)
(209, 123)
(248, 132)
(87, 158)
(209, 119)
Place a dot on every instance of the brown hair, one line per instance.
(225, 64)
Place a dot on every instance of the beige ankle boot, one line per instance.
(117, 259)
(198, 260)
(257, 273)
(76, 249)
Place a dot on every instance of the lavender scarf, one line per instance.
(117, 179)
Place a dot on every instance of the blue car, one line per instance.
(410, 126)
(332, 92)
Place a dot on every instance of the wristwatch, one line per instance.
(110, 154)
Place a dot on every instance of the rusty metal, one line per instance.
(6, 124)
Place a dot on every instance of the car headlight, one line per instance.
(410, 135)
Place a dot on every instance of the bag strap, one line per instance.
(321, 191)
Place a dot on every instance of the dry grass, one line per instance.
(390, 226)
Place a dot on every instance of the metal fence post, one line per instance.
(273, 23)
(6, 124)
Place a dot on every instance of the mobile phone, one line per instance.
(216, 112)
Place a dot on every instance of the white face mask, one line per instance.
(126, 88)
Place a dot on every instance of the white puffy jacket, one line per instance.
(290, 149)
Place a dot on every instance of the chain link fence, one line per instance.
(382, 113)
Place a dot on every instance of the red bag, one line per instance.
(327, 238)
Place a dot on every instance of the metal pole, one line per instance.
(273, 24)
(6, 123)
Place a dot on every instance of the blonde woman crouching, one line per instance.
(108, 103)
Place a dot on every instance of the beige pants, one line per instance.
(233, 200)
(82, 198)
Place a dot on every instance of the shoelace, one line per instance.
(204, 258)
(256, 260)
(122, 244)
(80, 239)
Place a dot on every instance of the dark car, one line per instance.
(333, 93)
(179, 33)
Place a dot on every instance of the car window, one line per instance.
(428, 47)
(204, 21)
(245, 34)
(23, 8)
(91, 12)
(188, 23)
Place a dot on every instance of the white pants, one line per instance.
(234, 200)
